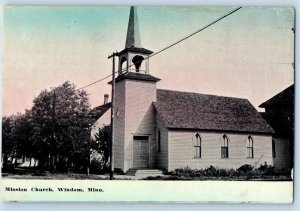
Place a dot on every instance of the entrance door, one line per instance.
(140, 152)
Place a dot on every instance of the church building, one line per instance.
(279, 113)
(167, 129)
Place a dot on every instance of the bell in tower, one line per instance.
(133, 58)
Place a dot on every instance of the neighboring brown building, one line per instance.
(279, 113)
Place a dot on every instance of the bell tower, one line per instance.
(135, 92)
(133, 58)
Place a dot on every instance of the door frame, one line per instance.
(148, 145)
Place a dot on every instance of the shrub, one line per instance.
(284, 171)
(223, 173)
(118, 171)
(265, 167)
(245, 172)
(245, 168)
(211, 171)
(8, 168)
(96, 167)
(268, 170)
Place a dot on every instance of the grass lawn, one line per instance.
(75, 176)
(220, 178)
(56, 176)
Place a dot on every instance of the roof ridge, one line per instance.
(168, 90)
(108, 104)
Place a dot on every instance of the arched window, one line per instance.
(197, 146)
(224, 146)
(123, 65)
(137, 61)
(250, 153)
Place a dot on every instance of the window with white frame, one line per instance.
(197, 146)
(250, 153)
(224, 146)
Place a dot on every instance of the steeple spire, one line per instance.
(133, 34)
(134, 58)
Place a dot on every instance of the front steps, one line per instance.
(145, 172)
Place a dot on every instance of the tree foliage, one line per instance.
(16, 137)
(8, 143)
(102, 142)
(56, 130)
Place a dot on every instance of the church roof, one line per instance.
(98, 111)
(135, 50)
(184, 110)
(286, 97)
(136, 76)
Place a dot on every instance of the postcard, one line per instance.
(148, 104)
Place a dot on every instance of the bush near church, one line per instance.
(245, 172)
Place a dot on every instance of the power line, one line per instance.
(94, 82)
(192, 34)
(169, 46)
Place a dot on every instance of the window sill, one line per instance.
(197, 158)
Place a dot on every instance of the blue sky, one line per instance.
(247, 55)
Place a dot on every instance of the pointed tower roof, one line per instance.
(133, 33)
(133, 41)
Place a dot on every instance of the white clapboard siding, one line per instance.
(139, 118)
(103, 121)
(282, 158)
(181, 150)
(119, 125)
(162, 156)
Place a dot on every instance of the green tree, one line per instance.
(102, 143)
(61, 123)
(8, 144)
(21, 134)
(16, 136)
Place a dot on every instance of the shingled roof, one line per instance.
(136, 76)
(98, 111)
(286, 97)
(135, 50)
(184, 110)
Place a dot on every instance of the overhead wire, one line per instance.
(169, 46)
